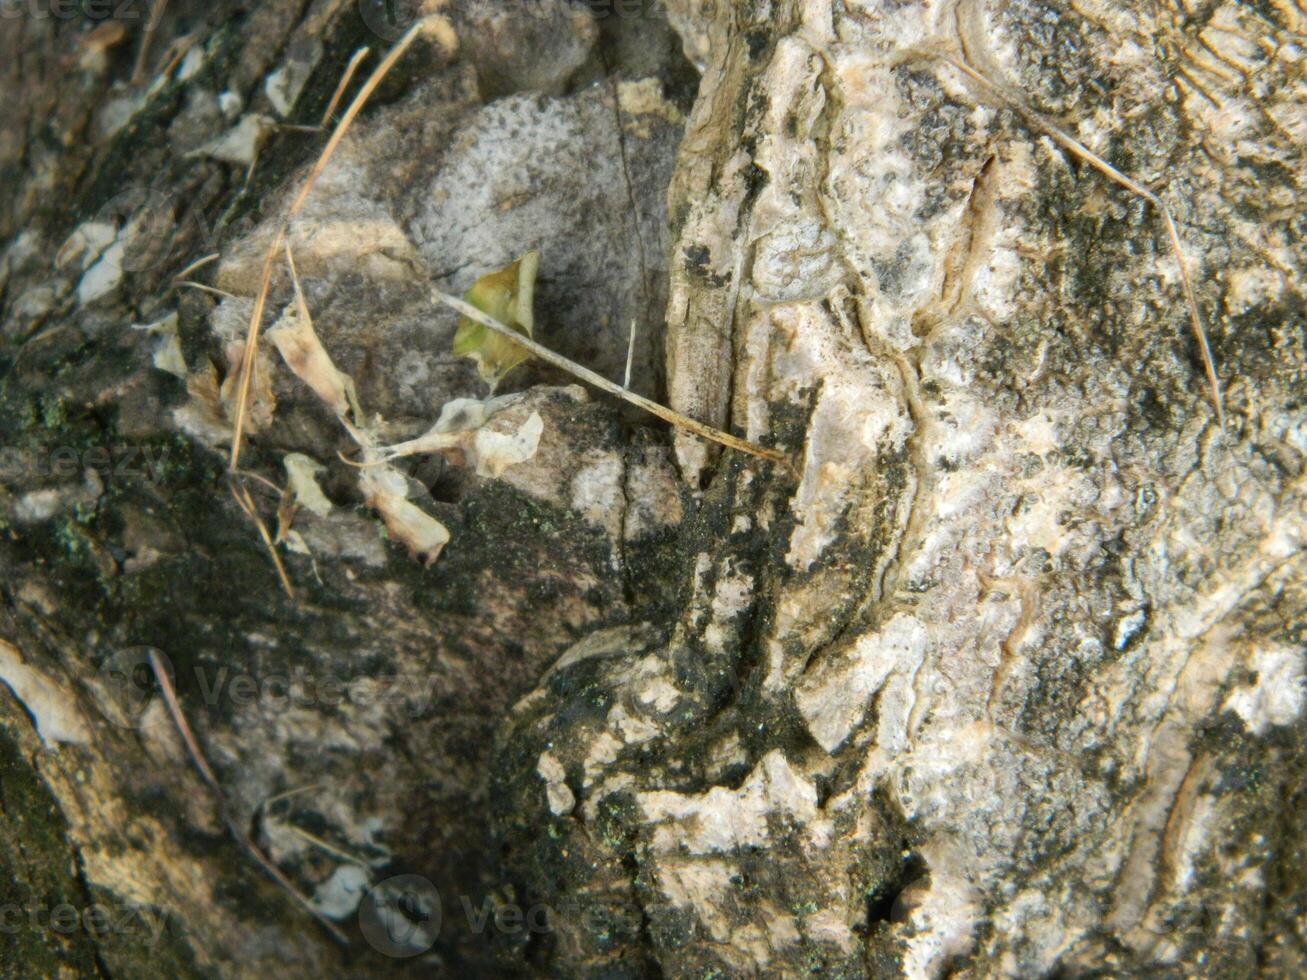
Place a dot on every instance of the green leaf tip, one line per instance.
(506, 295)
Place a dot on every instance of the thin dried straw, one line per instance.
(604, 385)
(210, 780)
(152, 25)
(630, 356)
(248, 358)
(274, 250)
(1109, 171)
(199, 263)
(246, 503)
(211, 290)
(345, 79)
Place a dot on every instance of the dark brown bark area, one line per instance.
(158, 554)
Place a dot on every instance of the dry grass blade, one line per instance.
(211, 290)
(343, 84)
(261, 299)
(603, 384)
(246, 502)
(197, 264)
(630, 356)
(248, 358)
(179, 719)
(152, 25)
(250, 474)
(301, 304)
(1106, 169)
(327, 846)
(288, 794)
(210, 780)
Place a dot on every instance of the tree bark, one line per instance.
(1002, 676)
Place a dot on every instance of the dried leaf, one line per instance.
(462, 426)
(385, 491)
(299, 346)
(203, 417)
(167, 349)
(263, 400)
(301, 471)
(493, 452)
(507, 296)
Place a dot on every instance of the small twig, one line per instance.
(210, 780)
(302, 306)
(327, 846)
(604, 385)
(174, 53)
(197, 264)
(359, 466)
(1109, 171)
(287, 794)
(246, 502)
(249, 176)
(630, 355)
(156, 14)
(261, 479)
(343, 84)
(179, 719)
(212, 290)
(274, 250)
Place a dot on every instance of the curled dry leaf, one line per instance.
(167, 348)
(494, 451)
(297, 342)
(507, 296)
(202, 416)
(301, 472)
(302, 490)
(462, 427)
(386, 491)
(263, 400)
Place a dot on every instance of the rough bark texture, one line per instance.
(1002, 679)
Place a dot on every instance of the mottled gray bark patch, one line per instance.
(1022, 574)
